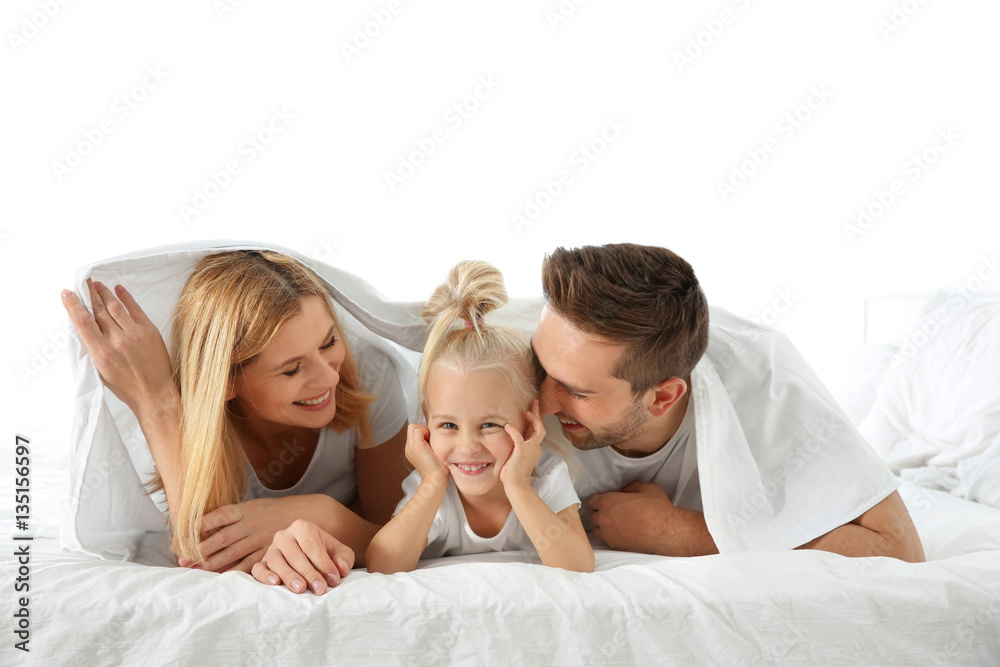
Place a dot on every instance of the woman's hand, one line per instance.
(523, 458)
(130, 356)
(125, 346)
(302, 553)
(421, 456)
(238, 535)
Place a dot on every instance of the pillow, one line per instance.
(109, 510)
(862, 374)
(979, 476)
(939, 403)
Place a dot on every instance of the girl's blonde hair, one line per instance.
(472, 290)
(230, 309)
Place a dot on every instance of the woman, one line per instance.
(261, 419)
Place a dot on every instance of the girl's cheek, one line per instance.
(504, 445)
(438, 446)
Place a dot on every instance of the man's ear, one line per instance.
(665, 395)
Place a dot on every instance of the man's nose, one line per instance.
(549, 401)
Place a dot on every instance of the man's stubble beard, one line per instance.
(620, 434)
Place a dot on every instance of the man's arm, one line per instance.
(641, 518)
(884, 530)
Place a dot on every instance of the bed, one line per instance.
(754, 608)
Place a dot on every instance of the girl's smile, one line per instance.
(472, 468)
(466, 414)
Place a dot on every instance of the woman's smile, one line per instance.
(317, 402)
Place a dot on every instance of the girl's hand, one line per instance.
(421, 456)
(125, 346)
(523, 458)
(302, 553)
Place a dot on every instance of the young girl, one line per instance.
(482, 481)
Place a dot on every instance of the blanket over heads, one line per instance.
(779, 462)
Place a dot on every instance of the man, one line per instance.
(697, 439)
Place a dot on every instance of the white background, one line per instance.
(894, 75)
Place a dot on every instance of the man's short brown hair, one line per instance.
(643, 297)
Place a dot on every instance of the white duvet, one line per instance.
(754, 608)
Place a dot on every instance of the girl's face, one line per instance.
(293, 381)
(466, 415)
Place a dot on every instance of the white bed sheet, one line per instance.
(757, 608)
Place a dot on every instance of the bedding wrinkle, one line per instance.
(780, 607)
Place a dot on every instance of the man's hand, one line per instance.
(641, 518)
(629, 519)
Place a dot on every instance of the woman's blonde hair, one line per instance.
(230, 309)
(472, 290)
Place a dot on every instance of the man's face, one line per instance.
(594, 408)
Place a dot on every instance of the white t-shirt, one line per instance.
(450, 534)
(673, 467)
(331, 469)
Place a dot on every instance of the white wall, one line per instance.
(890, 82)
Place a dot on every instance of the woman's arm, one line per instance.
(398, 545)
(239, 535)
(130, 355)
(380, 472)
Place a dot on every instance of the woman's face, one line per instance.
(293, 381)
(466, 415)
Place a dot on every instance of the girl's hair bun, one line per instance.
(472, 290)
